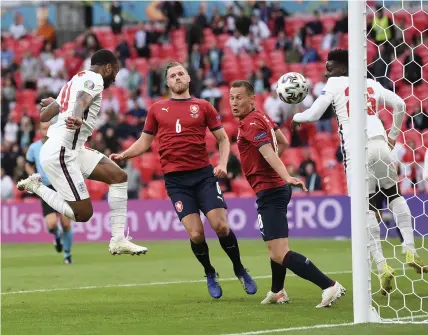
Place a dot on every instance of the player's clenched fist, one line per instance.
(46, 102)
(297, 182)
(220, 171)
(73, 122)
(116, 157)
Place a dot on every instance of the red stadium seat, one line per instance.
(156, 190)
(241, 186)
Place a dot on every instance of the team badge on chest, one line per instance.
(194, 111)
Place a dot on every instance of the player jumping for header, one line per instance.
(382, 173)
(260, 145)
(66, 161)
(190, 180)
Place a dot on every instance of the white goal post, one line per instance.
(408, 302)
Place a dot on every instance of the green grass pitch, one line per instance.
(163, 292)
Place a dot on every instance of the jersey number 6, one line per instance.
(371, 102)
(178, 126)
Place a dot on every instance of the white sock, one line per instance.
(374, 240)
(402, 216)
(118, 202)
(54, 200)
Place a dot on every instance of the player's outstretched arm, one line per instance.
(220, 171)
(281, 141)
(136, 149)
(276, 164)
(314, 113)
(399, 109)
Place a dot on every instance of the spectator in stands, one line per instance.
(17, 29)
(197, 82)
(142, 41)
(201, 19)
(46, 30)
(253, 45)
(196, 58)
(310, 55)
(211, 93)
(314, 27)
(122, 78)
(283, 42)
(237, 43)
(136, 104)
(46, 52)
(26, 132)
(292, 170)
(8, 90)
(173, 10)
(134, 180)
(413, 66)
(313, 180)
(293, 55)
(110, 103)
(412, 166)
(58, 82)
(418, 120)
(267, 72)
(215, 55)
(329, 41)
(258, 82)
(233, 171)
(341, 25)
(116, 17)
(261, 10)
(45, 93)
(11, 128)
(6, 186)
(19, 170)
(382, 27)
(7, 56)
(30, 70)
(217, 23)
(230, 19)
(9, 154)
(123, 49)
(153, 80)
(195, 35)
(278, 111)
(90, 41)
(259, 28)
(278, 15)
(45, 79)
(135, 79)
(379, 69)
(55, 64)
(110, 139)
(307, 159)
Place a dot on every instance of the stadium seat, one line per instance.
(240, 186)
(156, 190)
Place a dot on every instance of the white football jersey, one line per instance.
(86, 81)
(338, 89)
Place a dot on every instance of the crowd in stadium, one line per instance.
(258, 42)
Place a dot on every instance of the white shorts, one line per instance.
(66, 168)
(382, 171)
(381, 168)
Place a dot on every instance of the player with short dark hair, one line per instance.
(383, 177)
(66, 161)
(260, 144)
(191, 182)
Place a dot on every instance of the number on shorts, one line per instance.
(178, 126)
(260, 221)
(371, 102)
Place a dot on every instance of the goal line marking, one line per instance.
(46, 290)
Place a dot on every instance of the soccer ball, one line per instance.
(292, 88)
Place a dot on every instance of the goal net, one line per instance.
(397, 57)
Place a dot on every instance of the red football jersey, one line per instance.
(181, 126)
(256, 130)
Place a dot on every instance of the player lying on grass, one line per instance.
(382, 173)
(260, 144)
(190, 180)
(33, 164)
(66, 161)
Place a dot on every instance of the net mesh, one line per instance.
(397, 57)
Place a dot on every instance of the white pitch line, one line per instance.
(45, 290)
(282, 330)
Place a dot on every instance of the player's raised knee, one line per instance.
(119, 177)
